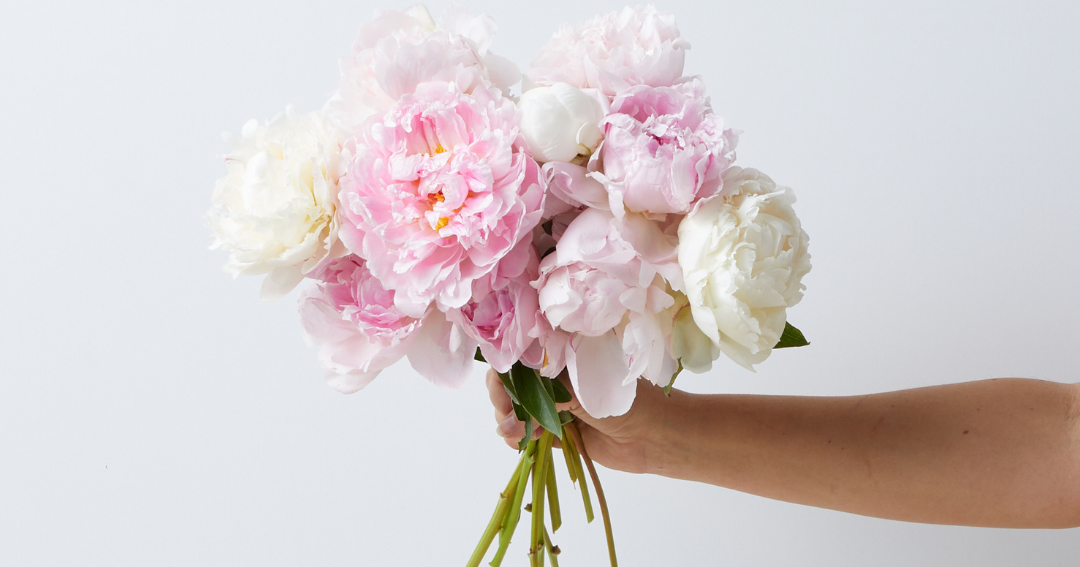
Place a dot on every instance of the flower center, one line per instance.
(434, 199)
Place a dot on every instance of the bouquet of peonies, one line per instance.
(595, 226)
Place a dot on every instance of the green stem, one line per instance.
(568, 454)
(553, 496)
(572, 429)
(539, 482)
(552, 551)
(579, 472)
(497, 518)
(510, 521)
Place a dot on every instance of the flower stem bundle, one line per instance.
(537, 465)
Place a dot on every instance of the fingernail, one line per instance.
(508, 426)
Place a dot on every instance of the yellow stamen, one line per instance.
(442, 222)
(439, 149)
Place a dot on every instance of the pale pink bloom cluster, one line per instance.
(596, 225)
(399, 50)
(633, 46)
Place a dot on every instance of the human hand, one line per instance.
(624, 442)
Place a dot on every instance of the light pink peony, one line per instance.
(664, 149)
(634, 46)
(360, 331)
(440, 189)
(598, 287)
(573, 186)
(399, 50)
(354, 320)
(503, 316)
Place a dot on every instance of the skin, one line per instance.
(993, 453)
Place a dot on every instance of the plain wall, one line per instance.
(154, 412)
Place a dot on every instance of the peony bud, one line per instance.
(560, 122)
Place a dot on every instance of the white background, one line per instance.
(154, 412)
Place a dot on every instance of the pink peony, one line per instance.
(601, 289)
(634, 46)
(399, 50)
(360, 331)
(573, 186)
(441, 188)
(664, 149)
(354, 319)
(503, 316)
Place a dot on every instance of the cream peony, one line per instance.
(743, 255)
(275, 209)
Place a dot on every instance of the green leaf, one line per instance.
(566, 417)
(534, 397)
(508, 384)
(519, 412)
(667, 389)
(479, 356)
(792, 337)
(562, 395)
(547, 383)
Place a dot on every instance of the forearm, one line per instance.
(992, 453)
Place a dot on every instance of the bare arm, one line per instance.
(1002, 453)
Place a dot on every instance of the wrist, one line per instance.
(666, 445)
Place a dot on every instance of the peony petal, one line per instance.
(598, 373)
(572, 184)
(280, 282)
(441, 353)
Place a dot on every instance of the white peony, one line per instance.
(743, 255)
(275, 209)
(560, 122)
